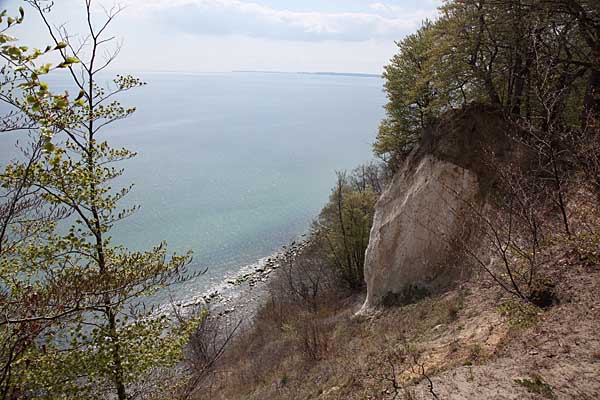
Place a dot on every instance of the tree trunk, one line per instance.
(522, 72)
(118, 374)
(591, 102)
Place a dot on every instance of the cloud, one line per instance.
(389, 9)
(236, 17)
(382, 8)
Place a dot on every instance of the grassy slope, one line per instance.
(473, 342)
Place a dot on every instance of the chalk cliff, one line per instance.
(423, 212)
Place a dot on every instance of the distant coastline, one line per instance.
(351, 74)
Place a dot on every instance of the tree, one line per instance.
(29, 306)
(411, 96)
(99, 337)
(584, 15)
(344, 225)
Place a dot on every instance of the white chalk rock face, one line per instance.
(424, 228)
(410, 251)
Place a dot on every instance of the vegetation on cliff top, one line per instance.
(538, 60)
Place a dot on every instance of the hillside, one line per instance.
(463, 341)
(471, 338)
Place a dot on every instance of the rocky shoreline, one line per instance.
(244, 293)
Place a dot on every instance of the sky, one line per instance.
(227, 35)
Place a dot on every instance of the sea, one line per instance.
(233, 166)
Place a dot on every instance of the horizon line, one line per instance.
(340, 73)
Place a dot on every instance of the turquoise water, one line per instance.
(235, 165)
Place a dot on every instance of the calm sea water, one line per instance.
(235, 165)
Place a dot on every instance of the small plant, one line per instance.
(476, 353)
(313, 341)
(411, 294)
(542, 293)
(585, 249)
(284, 380)
(454, 306)
(520, 315)
(471, 376)
(538, 386)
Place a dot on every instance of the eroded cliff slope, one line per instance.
(424, 211)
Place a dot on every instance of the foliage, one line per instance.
(411, 96)
(537, 386)
(538, 60)
(74, 320)
(344, 224)
(520, 315)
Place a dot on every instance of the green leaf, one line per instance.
(71, 60)
(68, 62)
(80, 95)
(60, 102)
(48, 147)
(6, 38)
(44, 69)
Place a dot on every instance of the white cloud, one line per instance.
(225, 35)
(390, 9)
(380, 7)
(235, 17)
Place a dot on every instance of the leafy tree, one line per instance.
(343, 226)
(584, 17)
(411, 96)
(86, 330)
(29, 306)
(535, 60)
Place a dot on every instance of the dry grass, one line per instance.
(294, 353)
(474, 341)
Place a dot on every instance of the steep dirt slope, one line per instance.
(557, 357)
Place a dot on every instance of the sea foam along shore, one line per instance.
(239, 295)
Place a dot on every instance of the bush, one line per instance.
(344, 225)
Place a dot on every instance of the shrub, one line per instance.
(344, 225)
